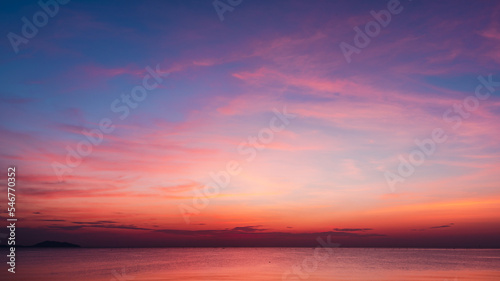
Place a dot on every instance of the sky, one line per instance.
(252, 123)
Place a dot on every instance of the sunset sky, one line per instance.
(323, 173)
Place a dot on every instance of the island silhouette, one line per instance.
(47, 244)
(55, 244)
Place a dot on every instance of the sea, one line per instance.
(255, 264)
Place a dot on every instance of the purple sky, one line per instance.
(335, 165)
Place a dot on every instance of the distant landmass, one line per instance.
(55, 244)
(45, 244)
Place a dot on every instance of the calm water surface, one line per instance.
(256, 264)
